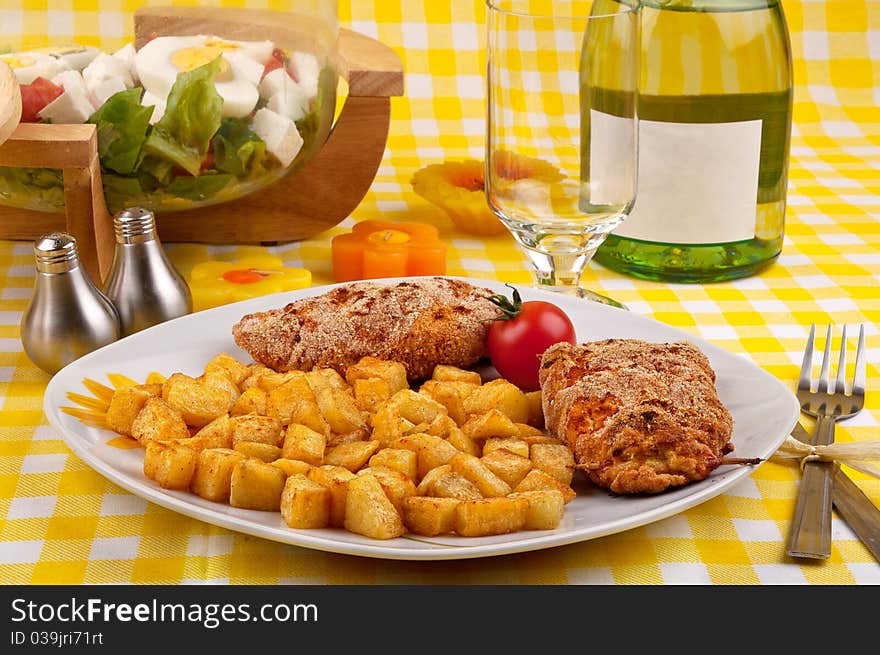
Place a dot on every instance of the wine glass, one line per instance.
(561, 147)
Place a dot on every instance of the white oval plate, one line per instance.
(764, 412)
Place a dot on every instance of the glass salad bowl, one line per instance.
(202, 105)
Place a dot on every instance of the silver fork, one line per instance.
(829, 402)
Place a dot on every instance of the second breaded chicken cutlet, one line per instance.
(421, 323)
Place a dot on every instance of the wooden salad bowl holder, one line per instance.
(305, 202)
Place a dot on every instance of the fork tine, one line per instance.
(826, 356)
(860, 374)
(840, 382)
(807, 363)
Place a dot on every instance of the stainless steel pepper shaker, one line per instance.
(143, 284)
(67, 316)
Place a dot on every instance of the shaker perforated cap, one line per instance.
(134, 225)
(56, 253)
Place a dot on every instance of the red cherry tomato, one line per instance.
(521, 334)
(35, 96)
(274, 62)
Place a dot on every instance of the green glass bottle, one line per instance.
(715, 99)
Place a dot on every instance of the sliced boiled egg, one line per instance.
(28, 66)
(75, 57)
(259, 51)
(160, 61)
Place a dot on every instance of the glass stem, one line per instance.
(559, 271)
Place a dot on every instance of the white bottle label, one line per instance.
(698, 182)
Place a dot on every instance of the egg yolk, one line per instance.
(186, 59)
(221, 45)
(16, 61)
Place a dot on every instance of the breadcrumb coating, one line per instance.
(420, 323)
(639, 417)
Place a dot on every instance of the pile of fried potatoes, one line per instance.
(364, 452)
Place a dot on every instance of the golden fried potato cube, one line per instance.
(546, 507)
(369, 393)
(508, 466)
(158, 421)
(513, 444)
(304, 444)
(447, 394)
(251, 401)
(455, 485)
(256, 485)
(397, 486)
(265, 452)
(432, 451)
(501, 395)
(341, 412)
(255, 372)
(428, 516)
(400, 459)
(218, 433)
(270, 379)
(425, 486)
(281, 402)
(254, 427)
(534, 401)
(387, 425)
(304, 503)
(369, 512)
(334, 440)
(226, 363)
(539, 438)
(291, 466)
(476, 471)
(213, 474)
(353, 456)
(153, 379)
(489, 516)
(415, 407)
(493, 423)
(447, 373)
(124, 407)
(529, 431)
(440, 426)
(335, 479)
(219, 380)
(393, 373)
(553, 459)
(309, 414)
(171, 466)
(198, 403)
(464, 443)
(537, 479)
(327, 377)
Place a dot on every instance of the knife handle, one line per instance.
(810, 532)
(858, 511)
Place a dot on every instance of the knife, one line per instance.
(854, 506)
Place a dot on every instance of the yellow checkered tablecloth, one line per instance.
(61, 522)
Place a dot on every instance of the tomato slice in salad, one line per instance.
(35, 96)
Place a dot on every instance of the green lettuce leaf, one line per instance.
(122, 129)
(238, 150)
(192, 116)
(198, 188)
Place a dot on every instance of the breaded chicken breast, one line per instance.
(420, 323)
(639, 417)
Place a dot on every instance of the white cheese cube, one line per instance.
(75, 58)
(273, 82)
(70, 79)
(158, 104)
(72, 106)
(104, 67)
(306, 69)
(291, 101)
(244, 67)
(280, 134)
(102, 91)
(126, 54)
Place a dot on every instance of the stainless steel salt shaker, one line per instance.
(67, 316)
(143, 284)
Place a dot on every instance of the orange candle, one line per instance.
(376, 249)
